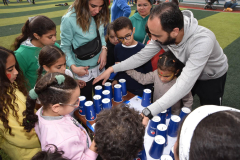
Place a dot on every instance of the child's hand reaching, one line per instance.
(113, 83)
(81, 83)
(93, 147)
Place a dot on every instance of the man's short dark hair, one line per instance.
(170, 16)
(122, 22)
(119, 133)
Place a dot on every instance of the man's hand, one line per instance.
(105, 75)
(145, 120)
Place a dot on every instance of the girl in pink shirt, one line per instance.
(58, 93)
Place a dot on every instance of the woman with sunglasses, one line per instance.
(83, 26)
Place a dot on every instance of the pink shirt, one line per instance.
(67, 136)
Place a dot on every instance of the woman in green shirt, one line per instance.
(139, 20)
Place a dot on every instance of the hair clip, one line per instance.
(33, 94)
(30, 18)
(27, 121)
(160, 57)
(60, 79)
(173, 61)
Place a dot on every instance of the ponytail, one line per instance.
(40, 71)
(24, 36)
(31, 118)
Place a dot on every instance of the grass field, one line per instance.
(224, 25)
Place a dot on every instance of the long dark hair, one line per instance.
(84, 16)
(49, 92)
(168, 62)
(48, 56)
(39, 24)
(7, 91)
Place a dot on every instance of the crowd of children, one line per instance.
(39, 95)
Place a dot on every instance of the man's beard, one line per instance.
(169, 41)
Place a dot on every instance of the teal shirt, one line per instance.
(139, 23)
(27, 58)
(72, 34)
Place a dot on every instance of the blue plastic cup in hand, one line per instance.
(117, 93)
(124, 86)
(184, 112)
(90, 112)
(146, 98)
(163, 116)
(106, 103)
(112, 75)
(97, 99)
(152, 127)
(82, 100)
(106, 94)
(173, 125)
(166, 157)
(98, 90)
(108, 86)
(172, 152)
(141, 155)
(157, 147)
(169, 113)
(162, 130)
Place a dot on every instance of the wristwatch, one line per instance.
(146, 112)
(104, 47)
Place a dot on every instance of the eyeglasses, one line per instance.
(127, 37)
(72, 105)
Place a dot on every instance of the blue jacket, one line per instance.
(120, 8)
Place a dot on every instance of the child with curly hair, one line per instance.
(119, 133)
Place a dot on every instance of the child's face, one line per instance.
(11, 71)
(73, 103)
(166, 76)
(59, 66)
(125, 36)
(113, 38)
(47, 39)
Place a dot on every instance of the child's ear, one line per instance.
(133, 30)
(56, 108)
(45, 68)
(36, 35)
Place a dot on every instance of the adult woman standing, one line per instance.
(139, 20)
(83, 25)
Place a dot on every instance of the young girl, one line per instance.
(111, 40)
(37, 32)
(169, 68)
(52, 59)
(58, 94)
(16, 142)
(209, 132)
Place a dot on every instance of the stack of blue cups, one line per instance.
(97, 99)
(98, 90)
(117, 93)
(124, 86)
(163, 116)
(82, 100)
(166, 157)
(152, 127)
(106, 103)
(157, 147)
(184, 112)
(106, 94)
(162, 130)
(173, 125)
(146, 98)
(90, 112)
(108, 86)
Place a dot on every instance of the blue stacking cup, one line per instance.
(184, 112)
(108, 86)
(106, 103)
(172, 153)
(106, 94)
(157, 147)
(124, 86)
(117, 93)
(82, 100)
(98, 90)
(162, 130)
(90, 112)
(146, 99)
(112, 75)
(152, 127)
(166, 157)
(173, 126)
(169, 113)
(141, 155)
(97, 99)
(163, 116)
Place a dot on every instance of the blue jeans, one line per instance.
(229, 4)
